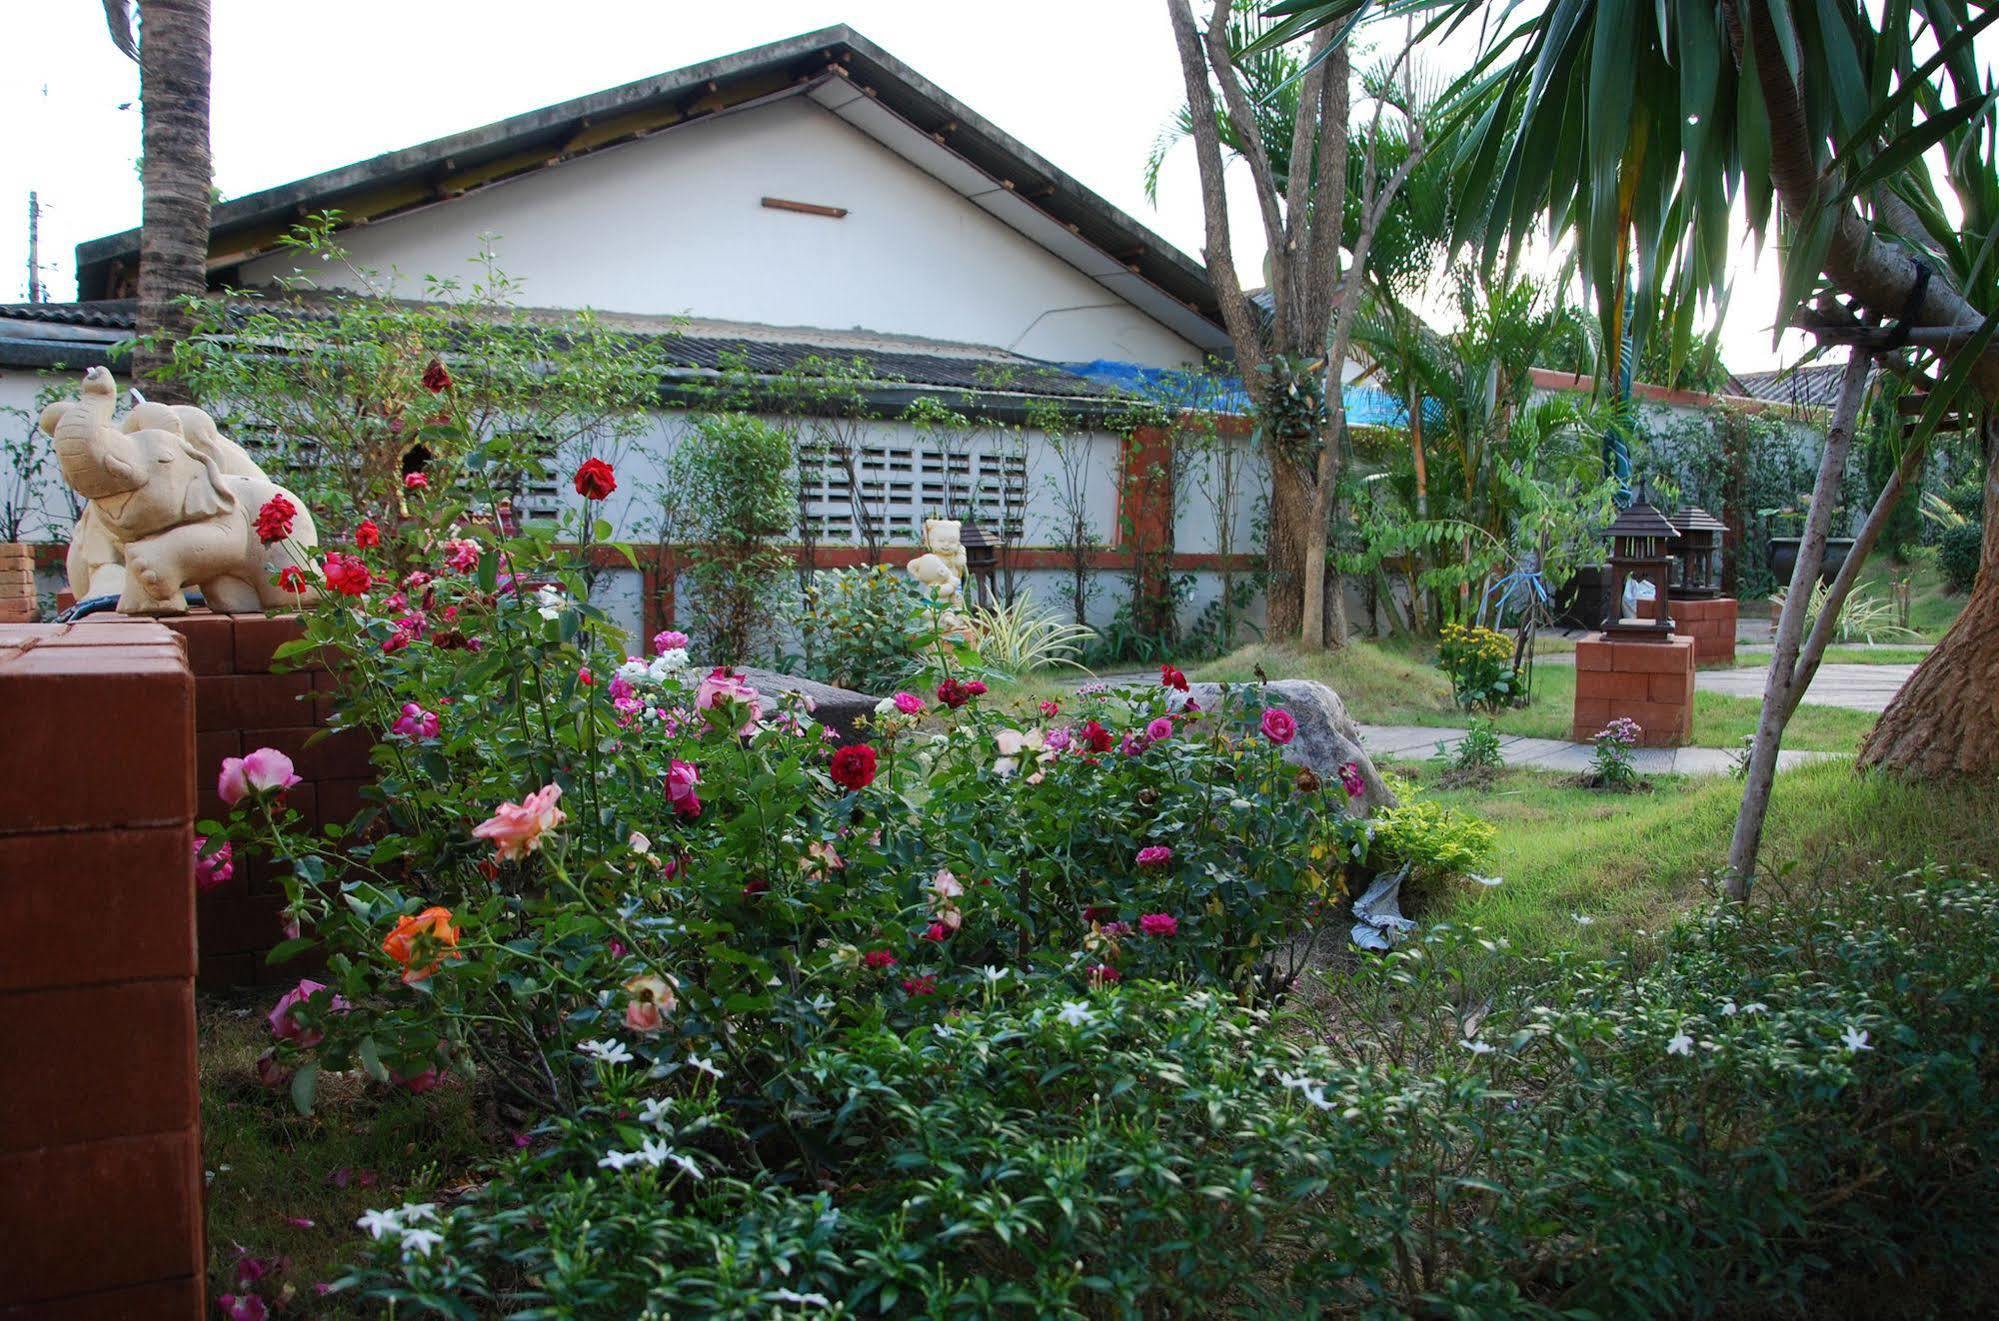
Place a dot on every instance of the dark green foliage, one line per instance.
(733, 474)
(1957, 555)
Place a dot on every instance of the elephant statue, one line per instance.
(171, 504)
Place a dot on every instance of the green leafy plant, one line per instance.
(1019, 639)
(1958, 550)
(732, 476)
(865, 629)
(1611, 767)
(1479, 663)
(1864, 618)
(1477, 756)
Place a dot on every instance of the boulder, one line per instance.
(839, 709)
(1327, 736)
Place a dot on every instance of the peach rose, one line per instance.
(262, 771)
(652, 999)
(422, 943)
(516, 828)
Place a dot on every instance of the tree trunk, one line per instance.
(1778, 688)
(173, 234)
(1284, 549)
(1945, 721)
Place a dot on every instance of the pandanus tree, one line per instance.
(1634, 127)
(173, 54)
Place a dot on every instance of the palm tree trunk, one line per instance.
(177, 176)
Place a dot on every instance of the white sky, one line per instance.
(304, 87)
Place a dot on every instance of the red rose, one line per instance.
(1170, 677)
(854, 766)
(953, 694)
(595, 480)
(367, 536)
(1095, 737)
(347, 575)
(292, 579)
(917, 986)
(435, 378)
(274, 520)
(878, 958)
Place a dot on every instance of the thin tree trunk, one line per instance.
(1778, 701)
(1945, 721)
(173, 233)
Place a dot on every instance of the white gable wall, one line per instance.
(674, 225)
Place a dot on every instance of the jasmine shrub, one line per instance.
(1794, 1098)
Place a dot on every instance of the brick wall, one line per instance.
(17, 583)
(1650, 682)
(100, 1153)
(1709, 621)
(241, 704)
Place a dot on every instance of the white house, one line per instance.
(812, 196)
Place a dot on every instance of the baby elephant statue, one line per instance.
(164, 501)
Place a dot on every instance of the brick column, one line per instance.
(1650, 682)
(100, 1151)
(1708, 620)
(1145, 514)
(242, 703)
(17, 584)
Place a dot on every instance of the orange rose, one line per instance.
(421, 943)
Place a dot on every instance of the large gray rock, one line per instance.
(1327, 736)
(839, 709)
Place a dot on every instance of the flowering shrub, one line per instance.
(1787, 1091)
(865, 629)
(1479, 663)
(1610, 764)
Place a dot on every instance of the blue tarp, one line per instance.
(1365, 406)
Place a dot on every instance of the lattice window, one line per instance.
(900, 483)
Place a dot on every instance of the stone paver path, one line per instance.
(1856, 687)
(1419, 742)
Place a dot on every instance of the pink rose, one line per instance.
(285, 1027)
(1154, 855)
(681, 781)
(1159, 924)
(1279, 726)
(1351, 781)
(461, 554)
(724, 685)
(214, 871)
(671, 639)
(1159, 730)
(909, 704)
(263, 771)
(516, 829)
(419, 1083)
(417, 722)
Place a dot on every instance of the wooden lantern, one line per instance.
(981, 558)
(1640, 550)
(1697, 554)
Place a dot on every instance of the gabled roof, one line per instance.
(837, 67)
(1814, 385)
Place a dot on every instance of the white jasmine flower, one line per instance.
(653, 1151)
(1728, 1009)
(1681, 1044)
(418, 1211)
(607, 1051)
(378, 1223)
(420, 1241)
(1076, 1013)
(655, 1110)
(802, 1299)
(686, 1164)
(993, 975)
(616, 1160)
(706, 1066)
(1477, 1047)
(1758, 1007)
(1854, 1040)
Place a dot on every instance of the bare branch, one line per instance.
(1242, 113)
(1322, 248)
(1305, 133)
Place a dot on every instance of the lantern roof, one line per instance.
(1692, 518)
(973, 537)
(1642, 520)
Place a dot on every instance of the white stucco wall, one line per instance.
(674, 225)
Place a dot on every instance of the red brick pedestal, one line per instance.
(100, 1152)
(241, 704)
(1649, 682)
(17, 583)
(1709, 621)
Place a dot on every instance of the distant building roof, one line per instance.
(836, 67)
(1811, 385)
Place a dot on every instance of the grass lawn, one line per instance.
(1632, 862)
(1883, 655)
(1932, 609)
(286, 1185)
(1392, 684)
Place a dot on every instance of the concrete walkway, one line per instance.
(1419, 743)
(1856, 687)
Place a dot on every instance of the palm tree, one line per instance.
(172, 51)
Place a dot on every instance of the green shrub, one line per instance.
(1790, 1100)
(732, 474)
(1477, 757)
(865, 628)
(1479, 662)
(1957, 554)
